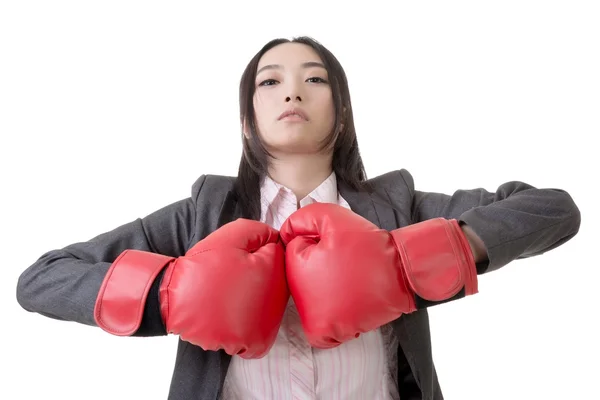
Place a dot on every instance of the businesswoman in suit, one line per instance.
(299, 278)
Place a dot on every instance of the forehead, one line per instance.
(289, 55)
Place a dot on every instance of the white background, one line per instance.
(110, 110)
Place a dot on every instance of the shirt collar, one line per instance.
(326, 192)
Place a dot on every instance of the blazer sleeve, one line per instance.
(64, 283)
(515, 221)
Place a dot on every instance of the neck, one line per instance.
(301, 173)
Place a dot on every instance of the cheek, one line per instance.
(263, 106)
(328, 113)
(325, 100)
(260, 110)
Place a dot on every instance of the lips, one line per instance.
(293, 111)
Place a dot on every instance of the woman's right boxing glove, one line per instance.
(228, 292)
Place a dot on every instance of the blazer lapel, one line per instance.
(360, 202)
(205, 369)
(374, 207)
(369, 205)
(230, 209)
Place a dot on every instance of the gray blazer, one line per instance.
(515, 221)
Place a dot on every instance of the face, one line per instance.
(292, 79)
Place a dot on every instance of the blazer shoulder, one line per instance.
(396, 183)
(211, 194)
(210, 185)
(393, 190)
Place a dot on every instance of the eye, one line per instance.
(271, 82)
(316, 79)
(267, 82)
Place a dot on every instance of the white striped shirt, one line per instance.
(362, 369)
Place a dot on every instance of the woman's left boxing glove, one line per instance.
(347, 276)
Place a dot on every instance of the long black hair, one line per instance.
(347, 162)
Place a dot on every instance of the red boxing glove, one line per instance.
(228, 292)
(347, 276)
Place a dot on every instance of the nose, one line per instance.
(296, 98)
(294, 89)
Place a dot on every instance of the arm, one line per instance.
(64, 283)
(514, 222)
(374, 276)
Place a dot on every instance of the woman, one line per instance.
(299, 278)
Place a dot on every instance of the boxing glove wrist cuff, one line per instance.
(437, 261)
(121, 301)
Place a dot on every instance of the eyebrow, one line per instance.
(308, 64)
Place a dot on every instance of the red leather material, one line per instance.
(436, 261)
(344, 274)
(120, 303)
(229, 291)
(347, 276)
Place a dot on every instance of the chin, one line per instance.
(293, 141)
(294, 147)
